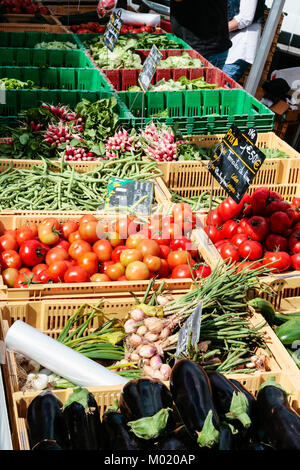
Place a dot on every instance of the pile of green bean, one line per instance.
(198, 202)
(41, 188)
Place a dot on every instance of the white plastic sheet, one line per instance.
(139, 19)
(59, 358)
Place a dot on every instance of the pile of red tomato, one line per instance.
(22, 6)
(88, 250)
(94, 27)
(260, 230)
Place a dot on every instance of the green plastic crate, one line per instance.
(30, 39)
(81, 38)
(58, 78)
(18, 100)
(26, 57)
(201, 112)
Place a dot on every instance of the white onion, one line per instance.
(147, 351)
(156, 362)
(165, 371)
(130, 326)
(151, 337)
(135, 340)
(137, 314)
(142, 330)
(134, 357)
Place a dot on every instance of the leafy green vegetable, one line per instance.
(15, 84)
(274, 153)
(56, 45)
(139, 41)
(182, 83)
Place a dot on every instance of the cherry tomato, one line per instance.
(24, 234)
(238, 239)
(62, 244)
(115, 256)
(128, 256)
(103, 250)
(7, 242)
(115, 271)
(79, 247)
(229, 209)
(202, 271)
(51, 222)
(182, 243)
(100, 277)
(252, 250)
(87, 218)
(39, 268)
(137, 271)
(57, 270)
(44, 276)
(76, 274)
(32, 252)
(74, 236)
(175, 258)
(280, 260)
(214, 233)
(133, 240)
(164, 251)
(89, 261)
(88, 231)
(9, 276)
(182, 271)
(295, 259)
(48, 234)
(148, 247)
(25, 280)
(229, 229)
(115, 239)
(153, 263)
(214, 219)
(69, 227)
(56, 254)
(104, 265)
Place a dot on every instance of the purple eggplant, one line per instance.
(45, 420)
(192, 395)
(179, 439)
(118, 436)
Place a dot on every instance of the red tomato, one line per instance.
(103, 250)
(74, 236)
(133, 240)
(56, 271)
(115, 271)
(248, 266)
(122, 279)
(153, 263)
(126, 226)
(48, 234)
(203, 270)
(39, 268)
(229, 209)
(295, 259)
(175, 258)
(115, 256)
(88, 231)
(87, 218)
(114, 239)
(229, 229)
(257, 228)
(182, 214)
(214, 219)
(26, 271)
(171, 231)
(183, 243)
(275, 242)
(32, 252)
(33, 227)
(294, 241)
(104, 265)
(56, 254)
(24, 234)
(62, 244)
(76, 274)
(251, 250)
(69, 227)
(238, 239)
(280, 260)
(214, 233)
(104, 227)
(9, 276)
(279, 222)
(148, 247)
(25, 280)
(296, 202)
(137, 271)
(89, 261)
(12, 233)
(164, 269)
(164, 251)
(51, 222)
(79, 247)
(229, 252)
(7, 242)
(182, 271)
(44, 276)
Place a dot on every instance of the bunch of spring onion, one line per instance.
(228, 341)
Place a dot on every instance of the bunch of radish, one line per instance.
(120, 142)
(63, 113)
(60, 133)
(160, 143)
(148, 339)
(78, 153)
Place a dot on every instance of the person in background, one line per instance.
(204, 26)
(245, 18)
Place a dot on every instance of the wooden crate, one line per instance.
(21, 23)
(69, 9)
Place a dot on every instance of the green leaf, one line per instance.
(79, 395)
(152, 426)
(24, 138)
(209, 434)
(113, 408)
(239, 409)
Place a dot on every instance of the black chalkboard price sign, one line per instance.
(236, 162)
(113, 30)
(149, 67)
(136, 195)
(191, 327)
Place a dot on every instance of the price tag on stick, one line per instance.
(191, 327)
(113, 30)
(137, 195)
(236, 162)
(149, 67)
